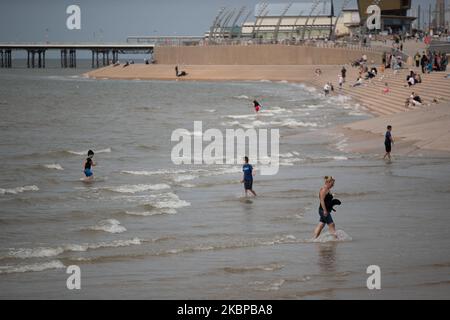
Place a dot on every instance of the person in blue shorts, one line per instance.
(88, 164)
(248, 177)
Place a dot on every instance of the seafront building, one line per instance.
(318, 19)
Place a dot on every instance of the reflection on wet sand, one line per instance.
(326, 257)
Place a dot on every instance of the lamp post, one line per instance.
(331, 21)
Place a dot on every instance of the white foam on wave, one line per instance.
(110, 226)
(342, 144)
(156, 172)
(210, 110)
(356, 113)
(255, 124)
(169, 201)
(54, 166)
(138, 188)
(290, 161)
(186, 177)
(266, 81)
(230, 123)
(244, 269)
(339, 99)
(151, 213)
(328, 237)
(278, 110)
(284, 239)
(286, 155)
(36, 267)
(242, 97)
(82, 153)
(291, 123)
(305, 87)
(224, 171)
(242, 116)
(340, 158)
(43, 252)
(188, 185)
(19, 189)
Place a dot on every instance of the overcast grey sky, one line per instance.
(114, 20)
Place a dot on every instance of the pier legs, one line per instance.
(31, 58)
(101, 57)
(64, 58)
(72, 58)
(6, 58)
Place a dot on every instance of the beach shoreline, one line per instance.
(411, 127)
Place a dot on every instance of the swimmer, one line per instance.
(88, 164)
(256, 105)
(325, 208)
(248, 177)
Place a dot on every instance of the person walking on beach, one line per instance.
(388, 142)
(88, 164)
(325, 208)
(248, 177)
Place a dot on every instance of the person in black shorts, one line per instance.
(325, 208)
(388, 142)
(248, 177)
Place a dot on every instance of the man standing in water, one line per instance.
(325, 208)
(248, 177)
(388, 142)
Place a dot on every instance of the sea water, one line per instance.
(147, 229)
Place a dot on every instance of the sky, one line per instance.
(114, 20)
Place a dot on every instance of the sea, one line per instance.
(147, 228)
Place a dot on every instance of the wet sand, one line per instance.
(416, 132)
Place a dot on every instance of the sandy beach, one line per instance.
(209, 73)
(416, 131)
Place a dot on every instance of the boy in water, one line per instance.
(248, 177)
(88, 164)
(388, 141)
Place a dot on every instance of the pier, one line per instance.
(101, 54)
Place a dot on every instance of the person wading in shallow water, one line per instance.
(257, 106)
(248, 177)
(325, 208)
(88, 164)
(388, 142)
